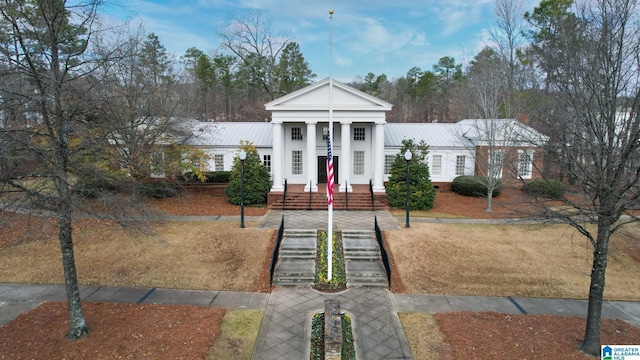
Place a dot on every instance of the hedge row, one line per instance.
(473, 186)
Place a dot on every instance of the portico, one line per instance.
(300, 124)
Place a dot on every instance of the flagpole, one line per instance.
(330, 161)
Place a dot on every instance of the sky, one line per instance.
(374, 36)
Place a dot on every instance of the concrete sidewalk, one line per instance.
(285, 329)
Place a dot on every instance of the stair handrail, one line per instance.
(346, 194)
(309, 205)
(383, 251)
(373, 203)
(276, 249)
(284, 194)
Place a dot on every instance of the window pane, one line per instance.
(436, 166)
(296, 133)
(388, 160)
(296, 162)
(219, 160)
(358, 163)
(460, 165)
(358, 134)
(266, 161)
(524, 164)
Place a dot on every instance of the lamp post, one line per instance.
(243, 157)
(407, 156)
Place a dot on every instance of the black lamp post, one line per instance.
(407, 156)
(243, 157)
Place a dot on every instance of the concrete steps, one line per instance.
(296, 265)
(296, 260)
(362, 260)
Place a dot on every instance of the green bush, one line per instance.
(158, 190)
(549, 188)
(468, 185)
(92, 188)
(212, 177)
(421, 191)
(257, 181)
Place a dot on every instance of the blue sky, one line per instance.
(368, 35)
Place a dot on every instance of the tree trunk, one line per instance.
(490, 200)
(77, 325)
(591, 343)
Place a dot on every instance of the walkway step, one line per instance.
(296, 260)
(362, 260)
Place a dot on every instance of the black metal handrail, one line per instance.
(383, 251)
(310, 193)
(346, 195)
(276, 250)
(284, 194)
(373, 203)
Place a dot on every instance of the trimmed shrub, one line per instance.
(421, 191)
(92, 188)
(257, 181)
(467, 185)
(216, 177)
(549, 188)
(158, 190)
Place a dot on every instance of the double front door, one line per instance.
(322, 170)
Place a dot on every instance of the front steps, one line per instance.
(318, 201)
(296, 264)
(362, 260)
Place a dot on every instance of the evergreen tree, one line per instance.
(421, 191)
(256, 178)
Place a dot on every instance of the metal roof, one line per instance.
(435, 135)
(231, 133)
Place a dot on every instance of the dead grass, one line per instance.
(188, 255)
(424, 337)
(239, 333)
(509, 260)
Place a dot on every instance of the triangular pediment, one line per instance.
(316, 97)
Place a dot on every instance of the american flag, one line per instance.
(329, 172)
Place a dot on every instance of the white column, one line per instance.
(312, 159)
(277, 158)
(378, 172)
(345, 156)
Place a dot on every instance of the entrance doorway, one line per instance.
(322, 170)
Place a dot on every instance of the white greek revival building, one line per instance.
(300, 123)
(293, 145)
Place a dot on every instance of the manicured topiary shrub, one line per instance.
(468, 185)
(549, 188)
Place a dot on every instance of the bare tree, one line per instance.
(46, 42)
(508, 35)
(251, 38)
(594, 70)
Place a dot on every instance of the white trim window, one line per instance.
(158, 163)
(496, 160)
(266, 161)
(460, 164)
(296, 133)
(436, 165)
(525, 163)
(358, 162)
(296, 162)
(218, 159)
(388, 160)
(358, 134)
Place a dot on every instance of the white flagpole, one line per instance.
(331, 139)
